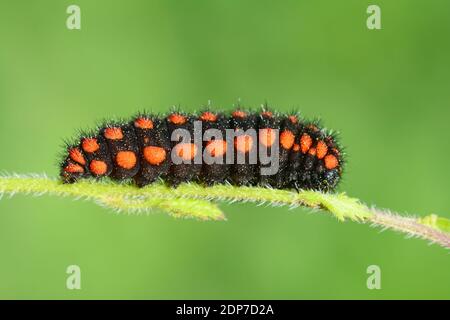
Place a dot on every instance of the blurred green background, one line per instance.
(386, 91)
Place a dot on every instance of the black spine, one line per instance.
(282, 178)
(157, 136)
(102, 154)
(183, 172)
(127, 143)
(215, 172)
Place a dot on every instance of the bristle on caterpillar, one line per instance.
(241, 147)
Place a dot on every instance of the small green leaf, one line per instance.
(436, 222)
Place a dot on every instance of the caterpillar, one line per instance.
(244, 147)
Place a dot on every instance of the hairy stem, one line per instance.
(193, 200)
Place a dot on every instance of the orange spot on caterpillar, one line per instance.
(336, 151)
(287, 139)
(90, 145)
(312, 151)
(154, 155)
(216, 148)
(76, 155)
(74, 168)
(305, 142)
(267, 114)
(113, 133)
(126, 159)
(177, 118)
(239, 114)
(331, 162)
(186, 151)
(293, 119)
(267, 136)
(208, 116)
(98, 167)
(243, 143)
(296, 147)
(143, 123)
(313, 128)
(322, 149)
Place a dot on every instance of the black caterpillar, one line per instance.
(142, 150)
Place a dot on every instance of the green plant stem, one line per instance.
(193, 200)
